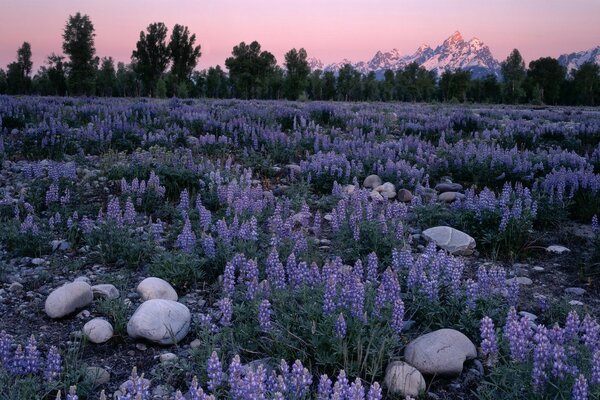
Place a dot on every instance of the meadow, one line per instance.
(196, 249)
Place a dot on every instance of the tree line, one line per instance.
(164, 66)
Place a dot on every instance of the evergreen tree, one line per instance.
(151, 56)
(586, 82)
(216, 83)
(78, 45)
(249, 69)
(106, 80)
(3, 82)
(297, 70)
(547, 75)
(18, 72)
(315, 85)
(184, 55)
(329, 85)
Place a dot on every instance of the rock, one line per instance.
(575, 303)
(38, 261)
(97, 375)
(167, 357)
(192, 141)
(82, 279)
(60, 245)
(106, 291)
(448, 187)
(449, 197)
(451, 240)
(68, 298)
(556, 249)
(405, 196)
(538, 269)
(388, 195)
(15, 287)
(441, 352)
(376, 196)
(575, 291)
(427, 194)
(98, 330)
(156, 288)
(294, 169)
(194, 344)
(349, 189)
(404, 379)
(372, 181)
(161, 321)
(530, 316)
(141, 346)
(386, 187)
(521, 280)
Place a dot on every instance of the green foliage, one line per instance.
(249, 69)
(117, 311)
(514, 74)
(184, 55)
(24, 244)
(78, 45)
(183, 270)
(151, 56)
(120, 245)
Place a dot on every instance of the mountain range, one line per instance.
(454, 53)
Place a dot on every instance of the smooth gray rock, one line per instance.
(98, 376)
(404, 379)
(68, 298)
(405, 196)
(160, 321)
(98, 330)
(451, 240)
(448, 187)
(449, 197)
(577, 291)
(106, 291)
(372, 181)
(156, 288)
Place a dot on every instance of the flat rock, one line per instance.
(442, 352)
(449, 197)
(372, 181)
(160, 321)
(404, 379)
(156, 288)
(405, 195)
(557, 249)
(577, 291)
(98, 330)
(451, 240)
(448, 187)
(68, 298)
(106, 291)
(521, 280)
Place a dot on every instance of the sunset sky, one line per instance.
(328, 29)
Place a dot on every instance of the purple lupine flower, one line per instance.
(208, 246)
(234, 377)
(374, 392)
(264, 315)
(324, 388)
(299, 380)
(6, 343)
(113, 211)
(330, 296)
(184, 201)
(342, 386)
(489, 343)
(595, 378)
(541, 353)
(275, 271)
(595, 226)
(512, 293)
(229, 279)
(186, 240)
(572, 323)
(340, 327)
(52, 194)
(472, 293)
(214, 372)
(591, 332)
(72, 395)
(226, 308)
(559, 361)
(372, 267)
(397, 321)
(129, 215)
(17, 362)
(53, 364)
(66, 198)
(580, 388)
(32, 360)
(517, 332)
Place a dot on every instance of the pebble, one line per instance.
(167, 357)
(15, 287)
(194, 344)
(106, 291)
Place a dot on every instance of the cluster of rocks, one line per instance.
(441, 353)
(385, 191)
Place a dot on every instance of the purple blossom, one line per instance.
(186, 240)
(226, 309)
(340, 327)
(264, 315)
(214, 372)
(580, 388)
(53, 364)
(489, 344)
(397, 321)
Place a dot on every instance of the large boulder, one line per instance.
(68, 298)
(156, 288)
(451, 240)
(442, 352)
(160, 321)
(372, 181)
(404, 379)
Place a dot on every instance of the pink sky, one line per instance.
(328, 29)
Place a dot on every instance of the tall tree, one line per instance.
(514, 74)
(128, 84)
(184, 55)
(55, 71)
(3, 82)
(329, 85)
(106, 81)
(151, 56)
(315, 85)
(216, 82)
(297, 70)
(454, 85)
(78, 45)
(18, 74)
(249, 69)
(548, 75)
(586, 81)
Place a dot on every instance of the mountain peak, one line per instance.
(455, 38)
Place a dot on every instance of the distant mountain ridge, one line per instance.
(574, 60)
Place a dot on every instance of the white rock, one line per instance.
(349, 189)
(372, 181)
(521, 280)
(376, 196)
(441, 352)
(68, 298)
(404, 379)
(106, 290)
(166, 357)
(160, 321)
(38, 261)
(450, 239)
(156, 288)
(386, 187)
(575, 303)
(449, 197)
(530, 316)
(577, 291)
(98, 330)
(557, 249)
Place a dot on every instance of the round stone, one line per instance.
(451, 240)
(404, 379)
(68, 298)
(448, 187)
(98, 330)
(372, 181)
(449, 197)
(97, 375)
(405, 196)
(156, 288)
(160, 321)
(442, 352)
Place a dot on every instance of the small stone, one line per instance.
(98, 376)
(15, 287)
(440, 352)
(404, 379)
(349, 189)
(530, 316)
(156, 288)
(98, 330)
(449, 197)
(167, 357)
(448, 187)
(60, 245)
(194, 344)
(83, 314)
(68, 298)
(575, 291)
(372, 181)
(386, 187)
(38, 261)
(141, 346)
(376, 196)
(106, 291)
(294, 169)
(575, 303)
(521, 280)
(538, 269)
(161, 321)
(557, 249)
(405, 196)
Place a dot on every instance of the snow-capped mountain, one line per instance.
(575, 60)
(455, 53)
